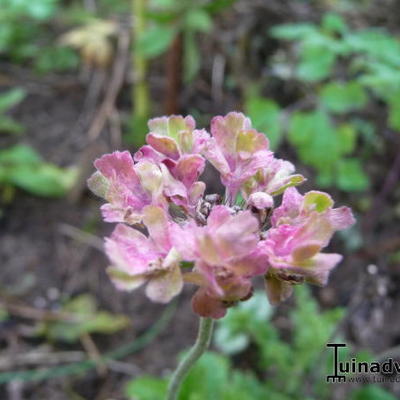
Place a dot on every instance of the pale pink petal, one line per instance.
(125, 281)
(237, 236)
(226, 129)
(196, 191)
(209, 250)
(322, 266)
(163, 144)
(253, 264)
(114, 213)
(341, 218)
(156, 221)
(171, 126)
(164, 287)
(218, 216)
(130, 251)
(290, 207)
(249, 142)
(173, 189)
(306, 250)
(118, 166)
(184, 239)
(215, 156)
(148, 153)
(200, 140)
(98, 184)
(189, 168)
(260, 200)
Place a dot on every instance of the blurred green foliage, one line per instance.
(339, 74)
(285, 365)
(83, 318)
(7, 101)
(25, 35)
(172, 17)
(21, 166)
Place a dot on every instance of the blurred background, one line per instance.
(79, 78)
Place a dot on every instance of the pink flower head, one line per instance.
(137, 259)
(175, 142)
(226, 255)
(128, 187)
(301, 227)
(220, 248)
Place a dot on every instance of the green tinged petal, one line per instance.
(98, 184)
(317, 201)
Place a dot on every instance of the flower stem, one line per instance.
(202, 342)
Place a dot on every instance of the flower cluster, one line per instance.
(170, 232)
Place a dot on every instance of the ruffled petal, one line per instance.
(163, 144)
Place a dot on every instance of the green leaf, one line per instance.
(56, 59)
(312, 329)
(293, 31)
(8, 125)
(316, 63)
(326, 176)
(234, 332)
(44, 179)
(350, 175)
(313, 134)
(343, 97)
(372, 392)
(146, 388)
(265, 116)
(23, 167)
(11, 98)
(216, 6)
(347, 135)
(376, 44)
(197, 19)
(156, 40)
(86, 319)
(19, 154)
(301, 128)
(334, 23)
(207, 379)
(394, 112)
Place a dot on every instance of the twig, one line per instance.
(81, 236)
(115, 129)
(217, 78)
(80, 367)
(123, 367)
(114, 86)
(28, 312)
(94, 353)
(42, 358)
(173, 76)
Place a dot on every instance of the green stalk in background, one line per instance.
(140, 90)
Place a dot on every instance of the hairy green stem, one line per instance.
(202, 342)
